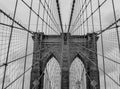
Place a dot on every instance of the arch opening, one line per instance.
(77, 76)
(52, 77)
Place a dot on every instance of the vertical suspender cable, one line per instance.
(115, 18)
(43, 17)
(92, 15)
(10, 38)
(27, 40)
(38, 17)
(58, 8)
(71, 16)
(102, 45)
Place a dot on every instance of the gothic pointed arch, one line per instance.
(46, 58)
(81, 57)
(77, 74)
(52, 76)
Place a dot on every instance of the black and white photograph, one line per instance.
(59, 44)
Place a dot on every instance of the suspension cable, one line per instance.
(71, 16)
(102, 45)
(40, 17)
(80, 13)
(58, 8)
(48, 14)
(89, 16)
(76, 19)
(100, 55)
(51, 12)
(101, 69)
(15, 22)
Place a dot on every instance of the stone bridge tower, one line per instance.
(65, 47)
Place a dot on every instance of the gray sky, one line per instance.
(110, 42)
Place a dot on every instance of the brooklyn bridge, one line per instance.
(59, 44)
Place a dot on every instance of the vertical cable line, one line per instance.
(50, 3)
(11, 32)
(51, 12)
(38, 17)
(102, 47)
(48, 14)
(81, 14)
(58, 8)
(46, 18)
(90, 15)
(116, 25)
(81, 11)
(84, 27)
(91, 7)
(71, 16)
(27, 40)
(75, 19)
(46, 25)
(87, 20)
(43, 14)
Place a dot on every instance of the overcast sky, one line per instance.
(110, 42)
